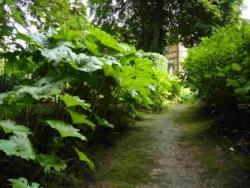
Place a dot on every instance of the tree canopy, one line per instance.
(151, 24)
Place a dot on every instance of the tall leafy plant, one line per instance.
(219, 68)
(72, 83)
(61, 84)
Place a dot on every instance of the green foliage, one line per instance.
(18, 145)
(84, 158)
(50, 162)
(10, 126)
(64, 81)
(65, 130)
(71, 101)
(150, 24)
(22, 183)
(219, 68)
(78, 118)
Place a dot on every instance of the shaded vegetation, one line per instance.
(64, 84)
(127, 162)
(218, 71)
(67, 86)
(226, 165)
(154, 24)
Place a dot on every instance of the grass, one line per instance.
(228, 168)
(129, 160)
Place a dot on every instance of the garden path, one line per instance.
(153, 155)
(175, 165)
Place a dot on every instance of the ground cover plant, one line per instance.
(61, 83)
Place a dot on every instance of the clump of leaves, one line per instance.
(70, 81)
(23, 183)
(218, 70)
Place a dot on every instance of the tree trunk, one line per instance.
(156, 36)
(158, 13)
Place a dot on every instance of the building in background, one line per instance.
(247, 20)
(176, 55)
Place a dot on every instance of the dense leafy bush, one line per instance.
(58, 86)
(218, 69)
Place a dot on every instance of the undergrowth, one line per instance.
(225, 164)
(64, 83)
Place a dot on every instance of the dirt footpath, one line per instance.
(153, 154)
(175, 165)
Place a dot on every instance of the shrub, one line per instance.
(218, 68)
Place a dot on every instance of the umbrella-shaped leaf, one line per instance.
(18, 145)
(10, 126)
(50, 162)
(103, 122)
(83, 157)
(59, 53)
(22, 183)
(88, 63)
(65, 129)
(78, 118)
(71, 101)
